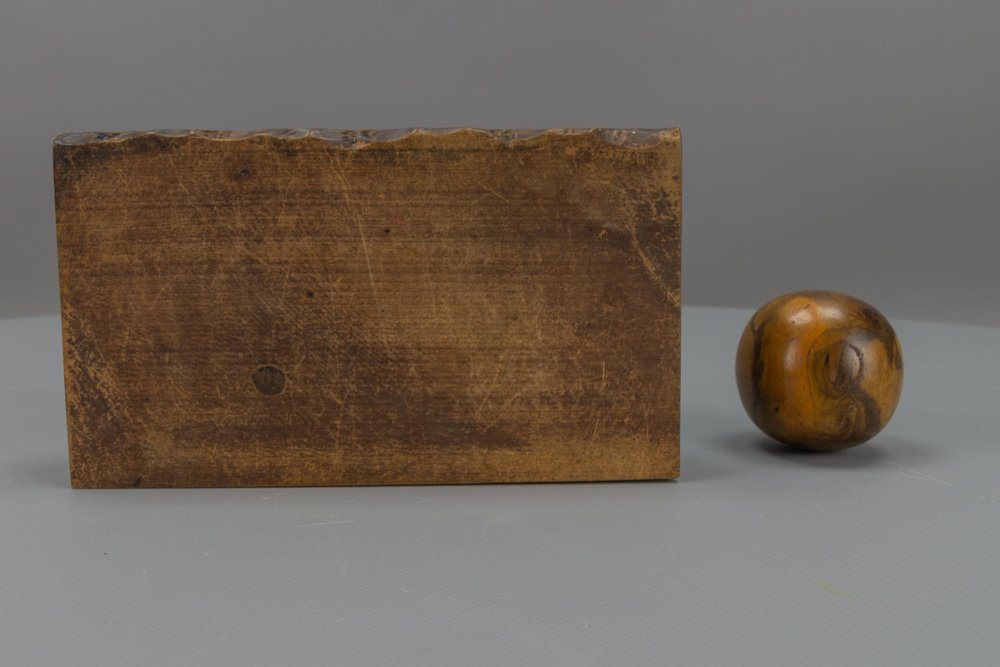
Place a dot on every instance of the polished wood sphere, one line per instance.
(819, 370)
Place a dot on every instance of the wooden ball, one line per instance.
(819, 370)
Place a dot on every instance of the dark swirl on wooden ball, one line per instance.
(819, 370)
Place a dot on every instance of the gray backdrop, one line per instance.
(850, 145)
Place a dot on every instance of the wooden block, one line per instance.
(313, 307)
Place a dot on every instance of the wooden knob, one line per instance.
(819, 370)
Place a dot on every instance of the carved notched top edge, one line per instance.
(633, 138)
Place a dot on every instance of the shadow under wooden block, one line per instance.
(312, 307)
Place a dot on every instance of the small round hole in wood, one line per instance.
(269, 380)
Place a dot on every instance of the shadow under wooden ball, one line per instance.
(819, 370)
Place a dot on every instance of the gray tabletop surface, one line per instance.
(887, 554)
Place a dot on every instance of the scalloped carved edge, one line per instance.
(632, 138)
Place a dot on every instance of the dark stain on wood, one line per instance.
(335, 307)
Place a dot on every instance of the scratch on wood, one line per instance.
(495, 193)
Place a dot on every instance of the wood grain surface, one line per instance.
(314, 307)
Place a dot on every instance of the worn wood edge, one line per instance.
(678, 295)
(75, 478)
(669, 475)
(657, 471)
(627, 137)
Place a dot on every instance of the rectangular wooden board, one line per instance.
(319, 307)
